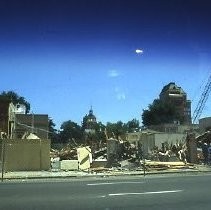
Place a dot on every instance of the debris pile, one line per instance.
(101, 153)
(174, 153)
(66, 153)
(122, 155)
(204, 147)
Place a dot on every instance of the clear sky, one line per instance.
(65, 55)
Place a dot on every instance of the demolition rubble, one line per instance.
(119, 155)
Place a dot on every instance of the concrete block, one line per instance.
(55, 164)
(84, 157)
(69, 165)
(99, 163)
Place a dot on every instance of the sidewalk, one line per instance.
(83, 174)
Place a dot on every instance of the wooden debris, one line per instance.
(166, 165)
(64, 154)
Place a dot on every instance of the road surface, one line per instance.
(165, 192)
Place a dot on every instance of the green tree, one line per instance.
(15, 98)
(159, 112)
(95, 135)
(53, 134)
(100, 131)
(70, 131)
(116, 130)
(132, 125)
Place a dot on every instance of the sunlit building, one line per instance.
(176, 95)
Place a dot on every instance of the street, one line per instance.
(153, 192)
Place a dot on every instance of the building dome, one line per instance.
(91, 117)
(89, 121)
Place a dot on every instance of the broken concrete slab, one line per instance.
(55, 163)
(69, 165)
(84, 157)
(99, 163)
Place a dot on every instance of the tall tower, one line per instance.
(176, 95)
(89, 122)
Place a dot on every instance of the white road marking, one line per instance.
(145, 193)
(113, 183)
(101, 196)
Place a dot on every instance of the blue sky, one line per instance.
(64, 56)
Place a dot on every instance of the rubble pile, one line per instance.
(205, 137)
(202, 140)
(66, 153)
(122, 155)
(100, 154)
(172, 153)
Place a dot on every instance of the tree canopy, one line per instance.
(115, 130)
(159, 112)
(119, 128)
(70, 131)
(15, 98)
(53, 134)
(132, 125)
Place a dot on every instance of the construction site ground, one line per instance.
(110, 172)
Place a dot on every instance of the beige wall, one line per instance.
(171, 128)
(172, 138)
(26, 154)
(150, 140)
(133, 137)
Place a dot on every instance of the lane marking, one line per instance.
(145, 193)
(101, 196)
(113, 183)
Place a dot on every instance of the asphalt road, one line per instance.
(166, 192)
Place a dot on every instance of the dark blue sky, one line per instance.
(82, 52)
(78, 23)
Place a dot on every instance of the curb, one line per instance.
(104, 175)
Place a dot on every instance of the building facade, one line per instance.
(7, 116)
(31, 123)
(14, 122)
(174, 94)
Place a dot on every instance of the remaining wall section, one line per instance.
(204, 124)
(25, 154)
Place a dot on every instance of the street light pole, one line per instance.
(2, 159)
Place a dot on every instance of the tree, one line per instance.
(70, 131)
(100, 131)
(94, 135)
(132, 125)
(116, 130)
(15, 98)
(159, 112)
(53, 134)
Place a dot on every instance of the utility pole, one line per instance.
(32, 128)
(2, 159)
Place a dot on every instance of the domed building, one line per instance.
(89, 122)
